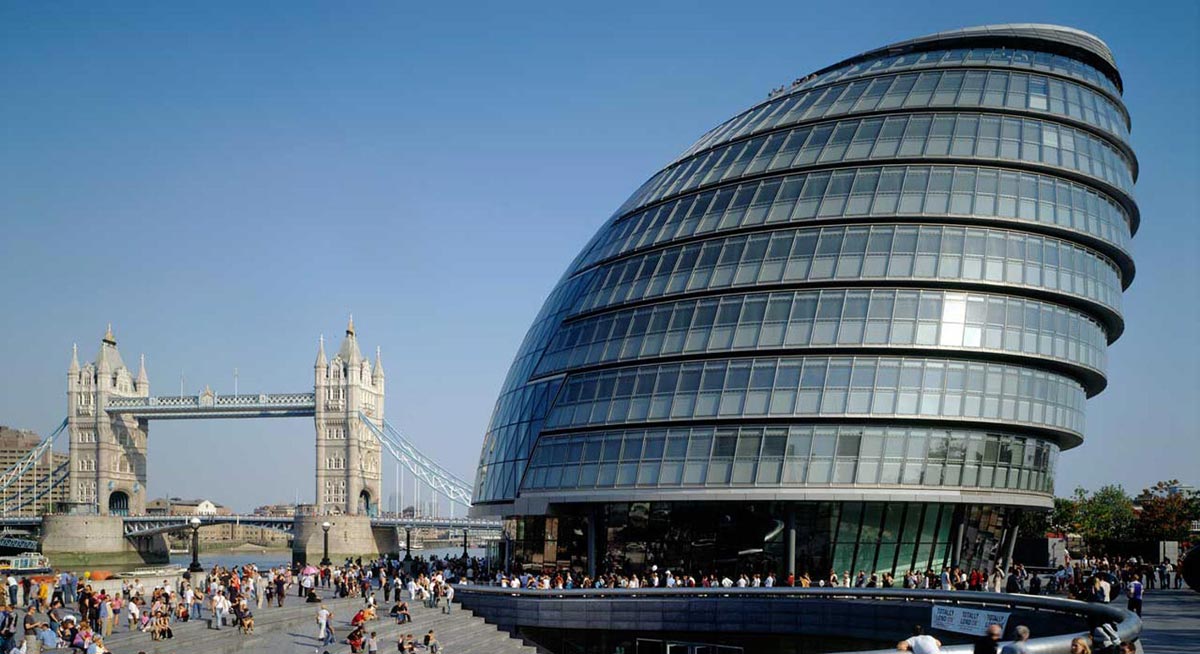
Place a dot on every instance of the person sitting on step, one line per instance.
(400, 612)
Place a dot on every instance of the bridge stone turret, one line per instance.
(107, 451)
(348, 466)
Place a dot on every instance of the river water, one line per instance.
(271, 558)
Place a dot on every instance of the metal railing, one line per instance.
(1127, 624)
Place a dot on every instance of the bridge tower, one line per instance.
(107, 453)
(348, 454)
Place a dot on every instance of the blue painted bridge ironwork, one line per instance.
(213, 405)
(151, 524)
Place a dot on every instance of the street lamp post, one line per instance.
(325, 552)
(195, 566)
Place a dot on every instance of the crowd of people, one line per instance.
(78, 616)
(989, 643)
(1092, 579)
(66, 611)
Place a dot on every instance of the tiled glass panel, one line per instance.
(969, 58)
(803, 455)
(988, 137)
(830, 318)
(891, 387)
(980, 58)
(973, 192)
(880, 252)
(918, 90)
(516, 423)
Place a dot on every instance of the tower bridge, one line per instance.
(109, 411)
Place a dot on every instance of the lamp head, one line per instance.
(326, 525)
(195, 522)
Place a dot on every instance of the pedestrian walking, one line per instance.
(1134, 592)
(325, 626)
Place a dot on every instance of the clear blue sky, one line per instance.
(226, 181)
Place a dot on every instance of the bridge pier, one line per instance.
(96, 540)
(349, 536)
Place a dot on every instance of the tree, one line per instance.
(1065, 516)
(1166, 513)
(1061, 519)
(1106, 515)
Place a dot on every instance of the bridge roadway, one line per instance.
(150, 524)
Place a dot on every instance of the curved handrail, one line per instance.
(1128, 624)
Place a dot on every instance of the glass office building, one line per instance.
(850, 328)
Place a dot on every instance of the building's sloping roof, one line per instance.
(1059, 37)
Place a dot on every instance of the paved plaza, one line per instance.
(292, 629)
(1172, 622)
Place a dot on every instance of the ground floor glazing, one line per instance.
(732, 537)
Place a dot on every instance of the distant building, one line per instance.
(276, 510)
(180, 506)
(15, 444)
(224, 533)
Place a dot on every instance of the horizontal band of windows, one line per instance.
(821, 386)
(516, 422)
(969, 324)
(1015, 93)
(925, 138)
(1065, 42)
(1004, 59)
(932, 255)
(561, 300)
(870, 193)
(771, 456)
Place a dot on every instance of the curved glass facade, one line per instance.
(831, 318)
(757, 456)
(944, 193)
(899, 274)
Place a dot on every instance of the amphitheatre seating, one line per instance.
(294, 626)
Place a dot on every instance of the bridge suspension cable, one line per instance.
(10, 479)
(441, 480)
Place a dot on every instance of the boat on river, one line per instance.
(25, 563)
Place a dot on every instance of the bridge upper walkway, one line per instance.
(152, 524)
(213, 405)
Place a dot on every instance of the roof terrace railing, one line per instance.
(1127, 625)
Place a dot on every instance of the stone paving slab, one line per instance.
(292, 629)
(1171, 622)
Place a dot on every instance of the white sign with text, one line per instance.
(966, 621)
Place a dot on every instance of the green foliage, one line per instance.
(1065, 516)
(1061, 519)
(1166, 515)
(1105, 515)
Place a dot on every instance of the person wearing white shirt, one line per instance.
(920, 643)
(188, 596)
(323, 631)
(220, 609)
